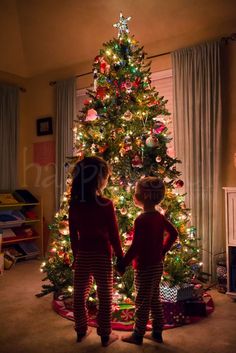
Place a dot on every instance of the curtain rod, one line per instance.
(224, 40)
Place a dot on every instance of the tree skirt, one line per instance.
(176, 313)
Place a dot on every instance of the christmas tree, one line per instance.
(124, 120)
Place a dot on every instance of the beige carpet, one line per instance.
(29, 325)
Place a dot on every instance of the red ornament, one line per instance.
(97, 59)
(137, 161)
(104, 67)
(66, 259)
(179, 183)
(86, 102)
(101, 92)
(103, 148)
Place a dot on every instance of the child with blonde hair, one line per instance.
(153, 237)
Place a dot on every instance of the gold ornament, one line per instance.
(63, 228)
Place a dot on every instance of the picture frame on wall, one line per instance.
(44, 126)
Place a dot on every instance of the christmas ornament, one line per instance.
(158, 159)
(102, 149)
(138, 141)
(158, 127)
(97, 59)
(179, 183)
(122, 25)
(104, 66)
(86, 102)
(128, 86)
(127, 115)
(152, 141)
(91, 115)
(123, 211)
(63, 227)
(66, 259)
(101, 92)
(137, 161)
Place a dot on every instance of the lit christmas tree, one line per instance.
(124, 120)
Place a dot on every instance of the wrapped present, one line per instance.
(195, 307)
(176, 293)
(174, 313)
(123, 313)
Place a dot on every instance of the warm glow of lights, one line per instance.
(70, 289)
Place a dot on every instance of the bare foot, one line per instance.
(110, 339)
(132, 339)
(80, 338)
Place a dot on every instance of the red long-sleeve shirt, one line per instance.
(153, 237)
(93, 227)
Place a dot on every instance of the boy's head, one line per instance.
(149, 191)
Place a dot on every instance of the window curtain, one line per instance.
(65, 114)
(9, 115)
(197, 134)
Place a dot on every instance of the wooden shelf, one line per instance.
(33, 241)
(19, 205)
(17, 239)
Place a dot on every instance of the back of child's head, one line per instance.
(88, 175)
(150, 190)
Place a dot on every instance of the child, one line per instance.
(147, 251)
(93, 232)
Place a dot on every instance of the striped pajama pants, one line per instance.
(89, 266)
(148, 299)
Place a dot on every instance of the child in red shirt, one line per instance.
(93, 234)
(153, 237)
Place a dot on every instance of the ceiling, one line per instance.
(38, 36)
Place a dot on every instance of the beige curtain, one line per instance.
(9, 114)
(197, 135)
(65, 114)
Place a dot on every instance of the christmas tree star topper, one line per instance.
(122, 25)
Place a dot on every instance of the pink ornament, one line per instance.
(159, 127)
(91, 115)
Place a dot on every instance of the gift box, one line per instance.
(176, 293)
(195, 307)
(174, 313)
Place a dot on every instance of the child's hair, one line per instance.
(150, 189)
(87, 177)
